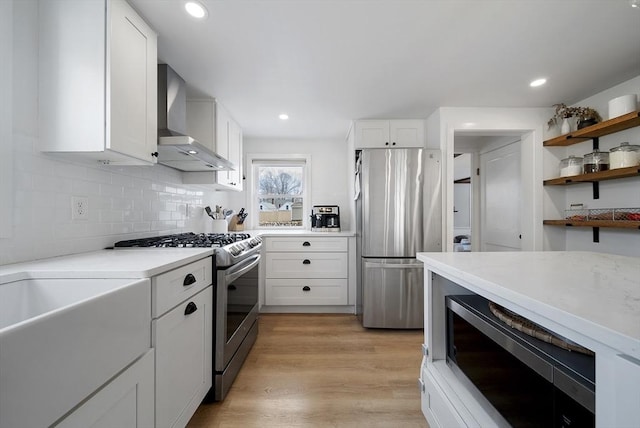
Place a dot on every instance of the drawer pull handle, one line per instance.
(306, 262)
(306, 244)
(189, 279)
(191, 308)
(306, 288)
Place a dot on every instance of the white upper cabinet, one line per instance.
(389, 133)
(209, 122)
(97, 81)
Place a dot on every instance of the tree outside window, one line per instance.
(280, 193)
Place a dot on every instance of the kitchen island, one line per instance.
(590, 299)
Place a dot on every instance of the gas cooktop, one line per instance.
(230, 248)
(186, 240)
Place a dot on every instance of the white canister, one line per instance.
(624, 156)
(622, 105)
(219, 226)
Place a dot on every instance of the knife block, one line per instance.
(234, 226)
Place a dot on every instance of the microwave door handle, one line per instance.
(241, 268)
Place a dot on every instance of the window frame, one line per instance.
(256, 160)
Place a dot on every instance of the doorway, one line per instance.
(495, 189)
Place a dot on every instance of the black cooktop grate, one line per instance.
(186, 240)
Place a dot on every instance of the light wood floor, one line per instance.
(323, 371)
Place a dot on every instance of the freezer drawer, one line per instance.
(392, 293)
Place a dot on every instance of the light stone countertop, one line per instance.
(295, 232)
(594, 294)
(120, 263)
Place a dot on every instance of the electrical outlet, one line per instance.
(79, 208)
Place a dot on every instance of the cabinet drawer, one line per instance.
(310, 265)
(173, 287)
(306, 292)
(183, 341)
(306, 244)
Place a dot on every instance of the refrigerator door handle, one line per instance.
(394, 266)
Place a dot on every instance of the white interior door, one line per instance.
(500, 185)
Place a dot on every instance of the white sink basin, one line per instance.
(61, 339)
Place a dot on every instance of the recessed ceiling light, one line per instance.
(196, 9)
(538, 82)
(283, 116)
(192, 152)
(635, 3)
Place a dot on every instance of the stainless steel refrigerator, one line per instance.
(398, 209)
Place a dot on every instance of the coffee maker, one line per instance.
(325, 218)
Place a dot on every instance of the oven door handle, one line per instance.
(236, 271)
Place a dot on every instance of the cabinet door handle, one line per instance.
(386, 144)
(306, 288)
(306, 244)
(191, 308)
(189, 279)
(394, 143)
(306, 262)
(232, 287)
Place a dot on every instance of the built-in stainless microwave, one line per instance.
(527, 381)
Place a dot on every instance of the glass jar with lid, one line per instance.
(595, 161)
(571, 166)
(625, 155)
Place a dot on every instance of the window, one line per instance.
(279, 191)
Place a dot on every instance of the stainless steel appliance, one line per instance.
(175, 148)
(528, 381)
(398, 214)
(236, 264)
(325, 218)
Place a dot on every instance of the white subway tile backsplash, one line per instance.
(111, 190)
(69, 170)
(124, 203)
(51, 183)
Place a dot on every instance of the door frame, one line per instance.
(529, 124)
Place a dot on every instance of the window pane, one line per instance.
(280, 180)
(280, 211)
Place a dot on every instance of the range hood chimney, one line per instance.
(175, 148)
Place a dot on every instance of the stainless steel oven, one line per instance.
(236, 264)
(235, 320)
(529, 382)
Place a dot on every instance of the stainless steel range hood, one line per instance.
(175, 148)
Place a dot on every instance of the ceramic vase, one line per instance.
(566, 126)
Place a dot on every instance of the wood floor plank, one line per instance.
(320, 370)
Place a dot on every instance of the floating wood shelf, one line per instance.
(594, 177)
(595, 223)
(601, 129)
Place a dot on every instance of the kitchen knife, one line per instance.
(209, 212)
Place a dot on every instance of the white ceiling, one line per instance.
(326, 62)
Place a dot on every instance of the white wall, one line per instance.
(623, 193)
(329, 172)
(124, 202)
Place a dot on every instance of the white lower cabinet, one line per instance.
(126, 401)
(183, 340)
(438, 412)
(306, 271)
